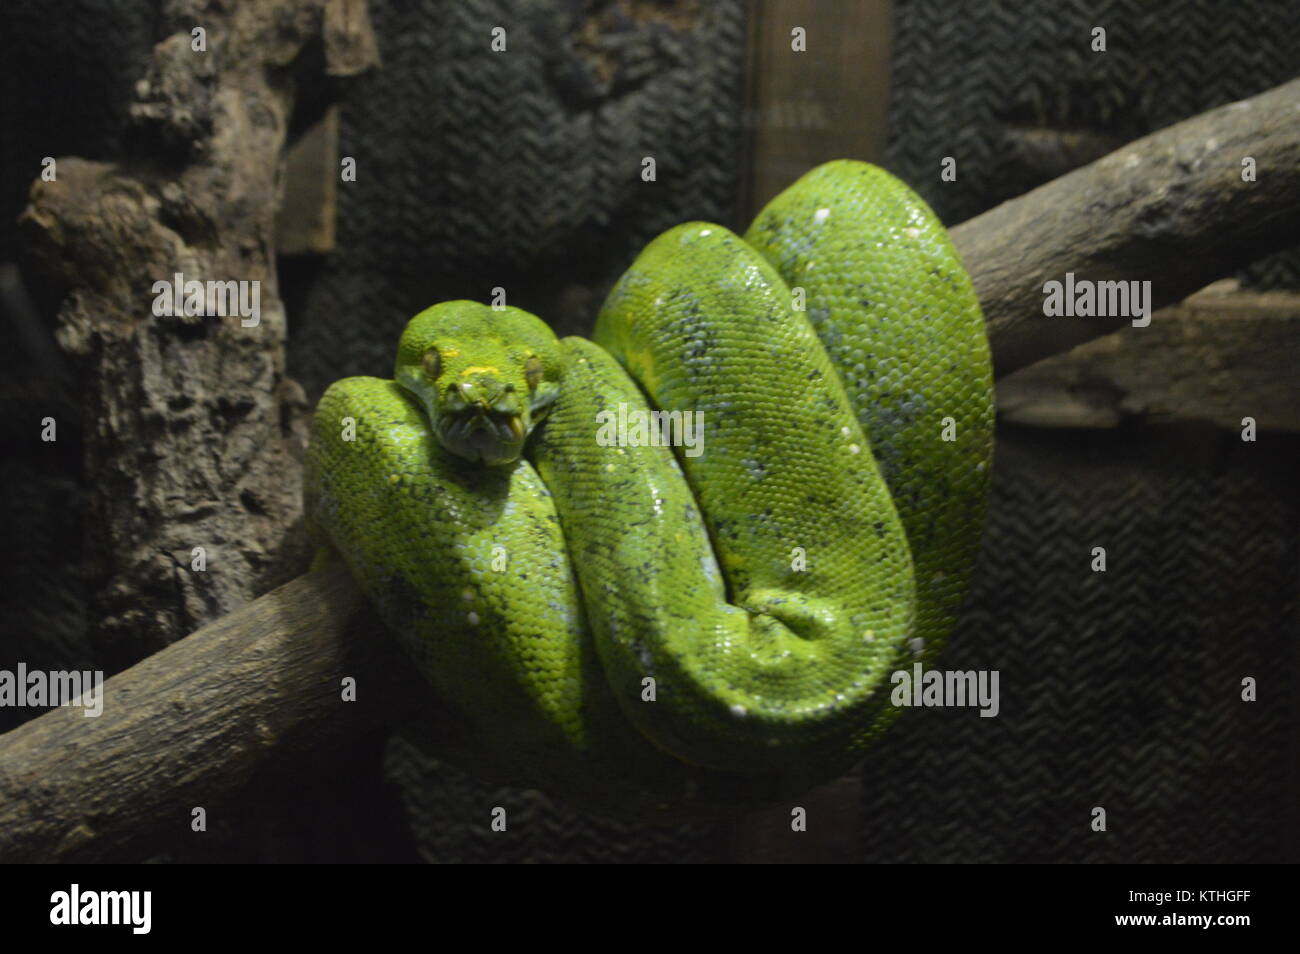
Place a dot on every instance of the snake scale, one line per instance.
(680, 631)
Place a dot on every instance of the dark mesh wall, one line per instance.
(1119, 689)
(477, 169)
(1013, 91)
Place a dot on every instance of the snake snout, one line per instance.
(483, 434)
(486, 392)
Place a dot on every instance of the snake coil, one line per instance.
(680, 630)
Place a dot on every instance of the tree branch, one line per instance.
(185, 727)
(1170, 208)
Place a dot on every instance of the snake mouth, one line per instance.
(484, 436)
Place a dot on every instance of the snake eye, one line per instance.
(432, 363)
(533, 372)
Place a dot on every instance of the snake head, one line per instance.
(484, 377)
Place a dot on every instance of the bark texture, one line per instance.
(191, 428)
(1171, 208)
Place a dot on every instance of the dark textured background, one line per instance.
(1013, 90)
(1118, 690)
(522, 171)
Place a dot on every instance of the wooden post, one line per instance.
(827, 101)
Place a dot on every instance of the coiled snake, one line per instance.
(680, 630)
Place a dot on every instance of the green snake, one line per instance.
(692, 629)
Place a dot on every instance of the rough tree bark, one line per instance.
(1171, 208)
(191, 426)
(191, 721)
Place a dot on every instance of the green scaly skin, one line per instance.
(769, 586)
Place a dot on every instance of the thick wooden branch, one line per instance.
(1171, 208)
(187, 726)
(1219, 356)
